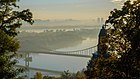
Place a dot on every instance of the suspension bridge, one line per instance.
(87, 52)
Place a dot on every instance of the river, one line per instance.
(61, 63)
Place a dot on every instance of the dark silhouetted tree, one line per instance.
(123, 44)
(10, 20)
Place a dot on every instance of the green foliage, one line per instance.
(80, 75)
(126, 33)
(7, 44)
(38, 75)
(122, 43)
(10, 20)
(50, 77)
(64, 75)
(67, 75)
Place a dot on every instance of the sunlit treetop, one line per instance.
(11, 18)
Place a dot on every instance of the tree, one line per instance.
(66, 75)
(10, 20)
(126, 33)
(122, 41)
(38, 75)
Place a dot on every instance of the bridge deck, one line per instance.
(53, 53)
(78, 53)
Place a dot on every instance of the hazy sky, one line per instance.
(70, 9)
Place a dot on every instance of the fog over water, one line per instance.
(61, 63)
(62, 39)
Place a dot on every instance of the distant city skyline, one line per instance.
(70, 9)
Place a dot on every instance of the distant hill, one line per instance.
(54, 40)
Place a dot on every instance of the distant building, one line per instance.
(100, 21)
